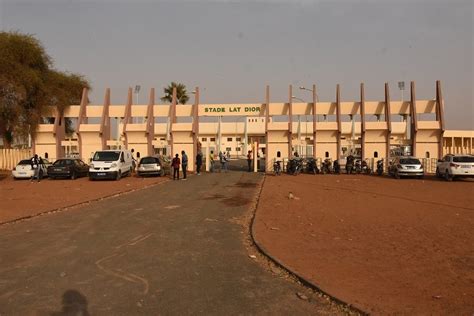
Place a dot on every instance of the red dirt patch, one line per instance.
(387, 246)
(22, 198)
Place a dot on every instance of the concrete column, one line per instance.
(388, 119)
(414, 118)
(255, 157)
(314, 120)
(105, 122)
(80, 120)
(208, 163)
(362, 118)
(267, 118)
(150, 122)
(290, 120)
(128, 115)
(338, 115)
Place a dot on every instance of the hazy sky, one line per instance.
(232, 49)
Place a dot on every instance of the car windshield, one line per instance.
(463, 159)
(63, 162)
(410, 161)
(149, 160)
(106, 156)
(25, 162)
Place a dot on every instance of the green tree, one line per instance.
(64, 89)
(29, 85)
(181, 93)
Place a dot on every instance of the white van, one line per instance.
(110, 164)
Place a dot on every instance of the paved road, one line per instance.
(175, 248)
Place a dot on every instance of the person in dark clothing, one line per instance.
(249, 160)
(36, 165)
(198, 163)
(184, 162)
(175, 164)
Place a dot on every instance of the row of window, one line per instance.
(229, 139)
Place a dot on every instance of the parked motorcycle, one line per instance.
(326, 166)
(336, 167)
(311, 166)
(350, 164)
(277, 167)
(365, 167)
(358, 167)
(380, 167)
(294, 166)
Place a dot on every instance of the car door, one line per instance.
(84, 167)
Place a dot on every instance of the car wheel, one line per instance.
(447, 176)
(73, 175)
(421, 177)
(119, 175)
(397, 175)
(437, 173)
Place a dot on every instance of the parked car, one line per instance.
(455, 166)
(24, 169)
(68, 168)
(406, 166)
(150, 165)
(110, 164)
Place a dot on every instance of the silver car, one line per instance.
(406, 167)
(152, 166)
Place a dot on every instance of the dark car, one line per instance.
(68, 168)
(157, 166)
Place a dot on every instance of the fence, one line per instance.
(10, 157)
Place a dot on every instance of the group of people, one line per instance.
(223, 159)
(36, 163)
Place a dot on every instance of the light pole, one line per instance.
(310, 90)
(137, 92)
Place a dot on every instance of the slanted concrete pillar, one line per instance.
(208, 162)
(255, 157)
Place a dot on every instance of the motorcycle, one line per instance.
(349, 165)
(380, 167)
(277, 167)
(336, 167)
(311, 166)
(365, 167)
(358, 167)
(326, 166)
(294, 166)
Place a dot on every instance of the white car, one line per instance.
(24, 169)
(406, 166)
(110, 164)
(455, 166)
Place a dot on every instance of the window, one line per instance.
(204, 139)
(376, 154)
(228, 149)
(237, 149)
(238, 139)
(327, 154)
(46, 155)
(229, 139)
(213, 139)
(138, 154)
(427, 154)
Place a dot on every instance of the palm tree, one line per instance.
(181, 94)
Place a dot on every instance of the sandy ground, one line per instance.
(387, 246)
(22, 198)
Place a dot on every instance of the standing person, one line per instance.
(175, 164)
(224, 163)
(184, 162)
(211, 160)
(249, 160)
(35, 164)
(221, 160)
(198, 163)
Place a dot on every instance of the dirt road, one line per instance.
(388, 246)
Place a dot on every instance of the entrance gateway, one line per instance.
(369, 129)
